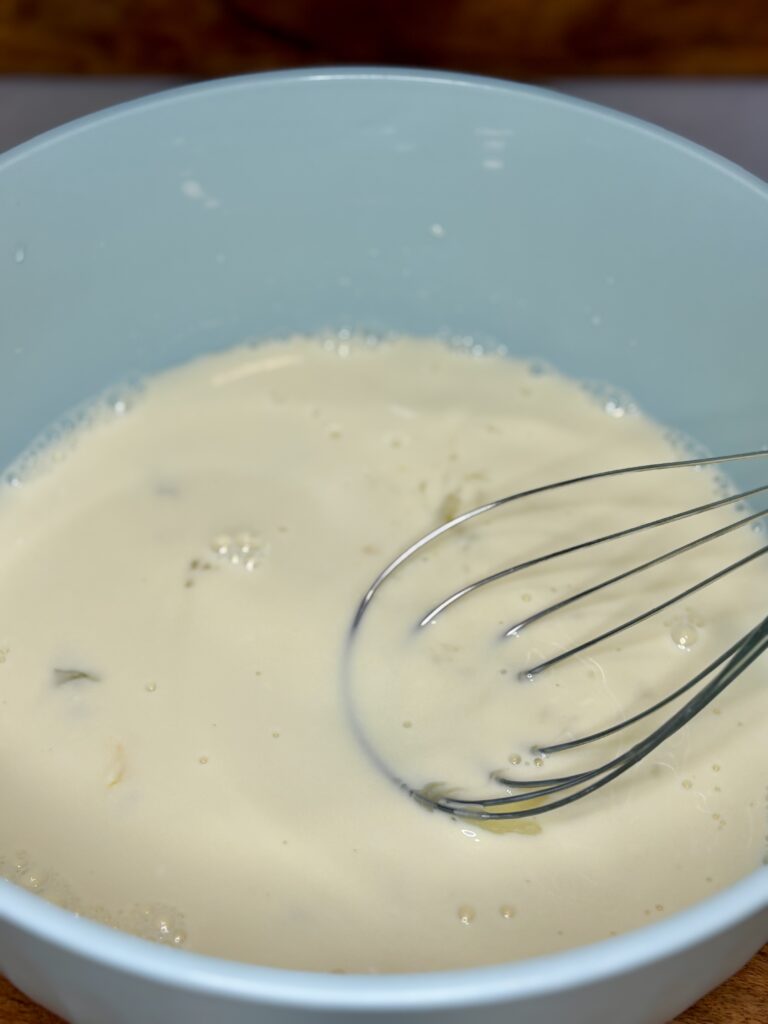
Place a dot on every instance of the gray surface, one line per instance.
(729, 116)
(31, 104)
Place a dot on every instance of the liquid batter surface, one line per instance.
(183, 755)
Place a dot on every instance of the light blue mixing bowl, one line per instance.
(382, 200)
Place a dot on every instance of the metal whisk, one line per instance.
(542, 795)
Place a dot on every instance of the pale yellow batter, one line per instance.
(177, 743)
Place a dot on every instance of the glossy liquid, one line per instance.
(182, 753)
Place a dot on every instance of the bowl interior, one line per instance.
(266, 205)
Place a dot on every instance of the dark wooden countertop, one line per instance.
(514, 38)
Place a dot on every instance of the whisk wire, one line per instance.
(550, 556)
(593, 737)
(465, 517)
(535, 670)
(517, 629)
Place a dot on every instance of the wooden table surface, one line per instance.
(742, 1000)
(511, 38)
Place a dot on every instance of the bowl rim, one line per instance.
(534, 977)
(330, 73)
